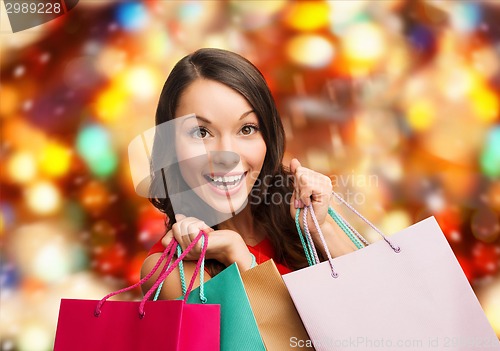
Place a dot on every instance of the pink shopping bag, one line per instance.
(140, 325)
(407, 292)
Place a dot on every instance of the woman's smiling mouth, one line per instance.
(225, 182)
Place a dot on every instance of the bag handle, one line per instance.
(308, 244)
(201, 236)
(352, 233)
(169, 251)
(203, 299)
(395, 248)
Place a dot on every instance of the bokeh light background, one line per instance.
(398, 101)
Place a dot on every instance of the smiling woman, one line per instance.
(225, 146)
(228, 133)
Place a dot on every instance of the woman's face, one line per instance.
(219, 147)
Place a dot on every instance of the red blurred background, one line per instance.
(398, 101)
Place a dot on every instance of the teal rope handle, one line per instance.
(183, 277)
(340, 222)
(181, 272)
(203, 299)
(306, 246)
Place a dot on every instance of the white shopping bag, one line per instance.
(414, 299)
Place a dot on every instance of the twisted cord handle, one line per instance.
(321, 236)
(175, 264)
(315, 257)
(395, 248)
(306, 245)
(347, 229)
(183, 279)
(168, 251)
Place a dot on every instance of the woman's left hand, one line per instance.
(310, 188)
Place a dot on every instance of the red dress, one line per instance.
(263, 251)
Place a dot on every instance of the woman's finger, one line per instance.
(179, 217)
(294, 167)
(167, 238)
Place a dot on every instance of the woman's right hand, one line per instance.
(225, 246)
(184, 231)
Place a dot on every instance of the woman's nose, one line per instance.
(228, 159)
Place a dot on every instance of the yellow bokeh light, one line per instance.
(308, 15)
(484, 103)
(55, 159)
(111, 104)
(363, 46)
(310, 50)
(420, 115)
(157, 44)
(141, 82)
(43, 198)
(395, 221)
(34, 336)
(21, 167)
(490, 301)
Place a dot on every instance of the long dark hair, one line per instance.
(274, 181)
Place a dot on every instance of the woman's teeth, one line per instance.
(226, 182)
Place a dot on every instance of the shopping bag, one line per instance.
(406, 292)
(238, 329)
(278, 321)
(139, 325)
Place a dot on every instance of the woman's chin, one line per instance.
(228, 207)
(224, 203)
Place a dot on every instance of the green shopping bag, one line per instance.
(238, 330)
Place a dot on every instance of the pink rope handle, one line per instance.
(169, 250)
(165, 273)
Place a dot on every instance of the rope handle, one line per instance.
(356, 238)
(165, 274)
(203, 299)
(321, 236)
(395, 248)
(308, 244)
(181, 273)
(169, 251)
(315, 257)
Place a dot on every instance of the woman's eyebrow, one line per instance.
(201, 118)
(207, 121)
(246, 114)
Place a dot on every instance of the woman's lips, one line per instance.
(227, 184)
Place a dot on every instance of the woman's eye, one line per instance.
(199, 133)
(249, 129)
